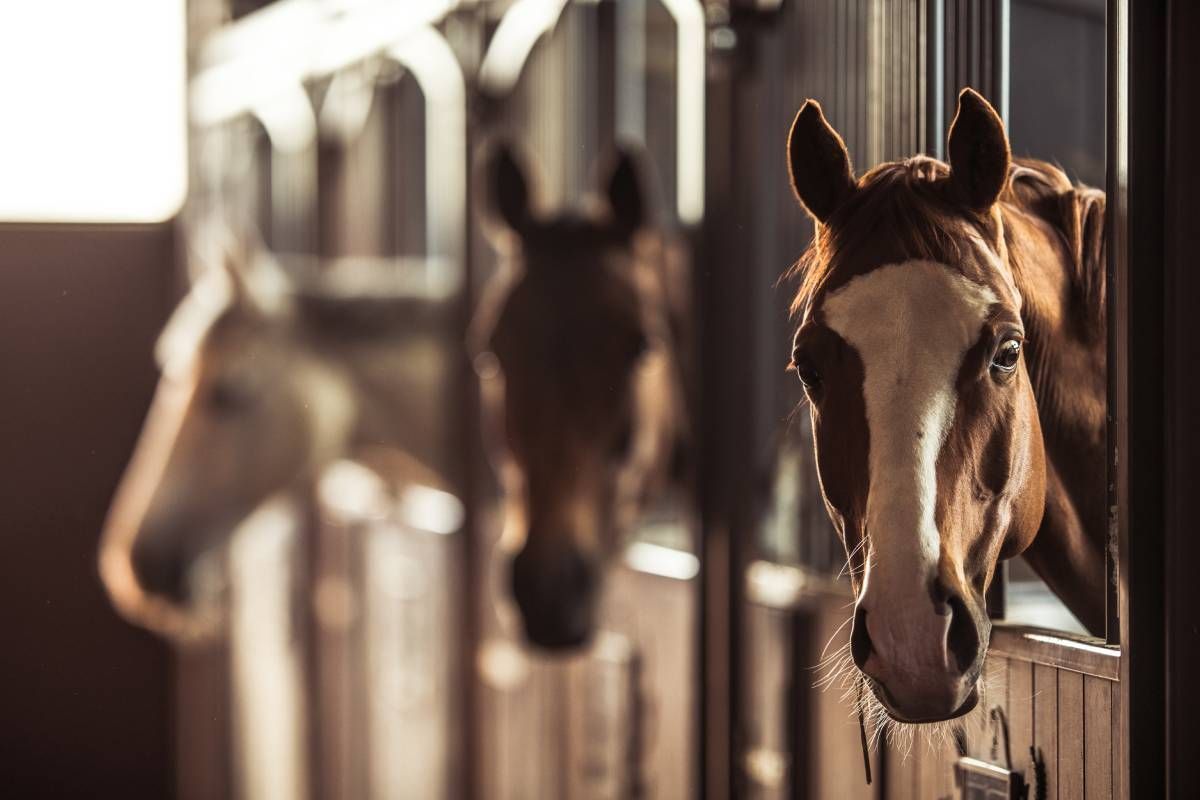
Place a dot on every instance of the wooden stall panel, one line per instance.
(1070, 735)
(1045, 724)
(658, 615)
(1097, 738)
(834, 754)
(1065, 715)
(1020, 715)
(613, 721)
(766, 761)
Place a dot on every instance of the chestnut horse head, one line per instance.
(927, 288)
(581, 384)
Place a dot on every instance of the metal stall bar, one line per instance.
(723, 308)
(266, 764)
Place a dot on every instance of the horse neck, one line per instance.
(1065, 352)
(1065, 356)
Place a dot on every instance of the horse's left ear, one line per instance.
(506, 189)
(979, 152)
(625, 193)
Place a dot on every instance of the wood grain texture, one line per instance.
(835, 754)
(1120, 752)
(947, 757)
(1045, 724)
(1097, 738)
(1079, 653)
(1020, 715)
(995, 695)
(900, 774)
(926, 771)
(1071, 733)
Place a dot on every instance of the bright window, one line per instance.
(92, 110)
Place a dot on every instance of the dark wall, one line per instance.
(84, 697)
(1057, 91)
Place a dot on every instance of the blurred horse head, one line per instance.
(577, 344)
(262, 385)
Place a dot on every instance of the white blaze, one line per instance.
(911, 324)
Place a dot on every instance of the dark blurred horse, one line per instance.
(579, 353)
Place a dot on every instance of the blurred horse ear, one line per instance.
(254, 281)
(505, 189)
(626, 195)
(979, 152)
(818, 163)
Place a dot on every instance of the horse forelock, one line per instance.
(899, 212)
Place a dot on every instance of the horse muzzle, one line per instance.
(922, 662)
(159, 582)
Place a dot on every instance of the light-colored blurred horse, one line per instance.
(264, 384)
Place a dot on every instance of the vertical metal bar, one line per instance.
(1003, 56)
(935, 93)
(631, 67)
(1182, 478)
(718, 314)
(1136, 208)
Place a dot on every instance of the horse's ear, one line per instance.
(979, 153)
(626, 194)
(254, 280)
(235, 262)
(506, 189)
(818, 163)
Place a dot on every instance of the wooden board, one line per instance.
(1020, 715)
(1097, 738)
(1070, 735)
(1045, 724)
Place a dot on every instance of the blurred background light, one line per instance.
(666, 562)
(92, 102)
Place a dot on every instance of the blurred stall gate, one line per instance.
(370, 650)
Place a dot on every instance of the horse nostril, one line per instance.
(860, 640)
(963, 638)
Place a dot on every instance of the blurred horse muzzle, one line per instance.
(555, 590)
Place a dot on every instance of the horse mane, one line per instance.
(901, 210)
(1077, 214)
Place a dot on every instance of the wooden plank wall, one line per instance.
(1066, 716)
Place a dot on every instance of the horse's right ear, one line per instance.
(506, 189)
(818, 163)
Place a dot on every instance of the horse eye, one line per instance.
(227, 396)
(806, 371)
(1007, 356)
